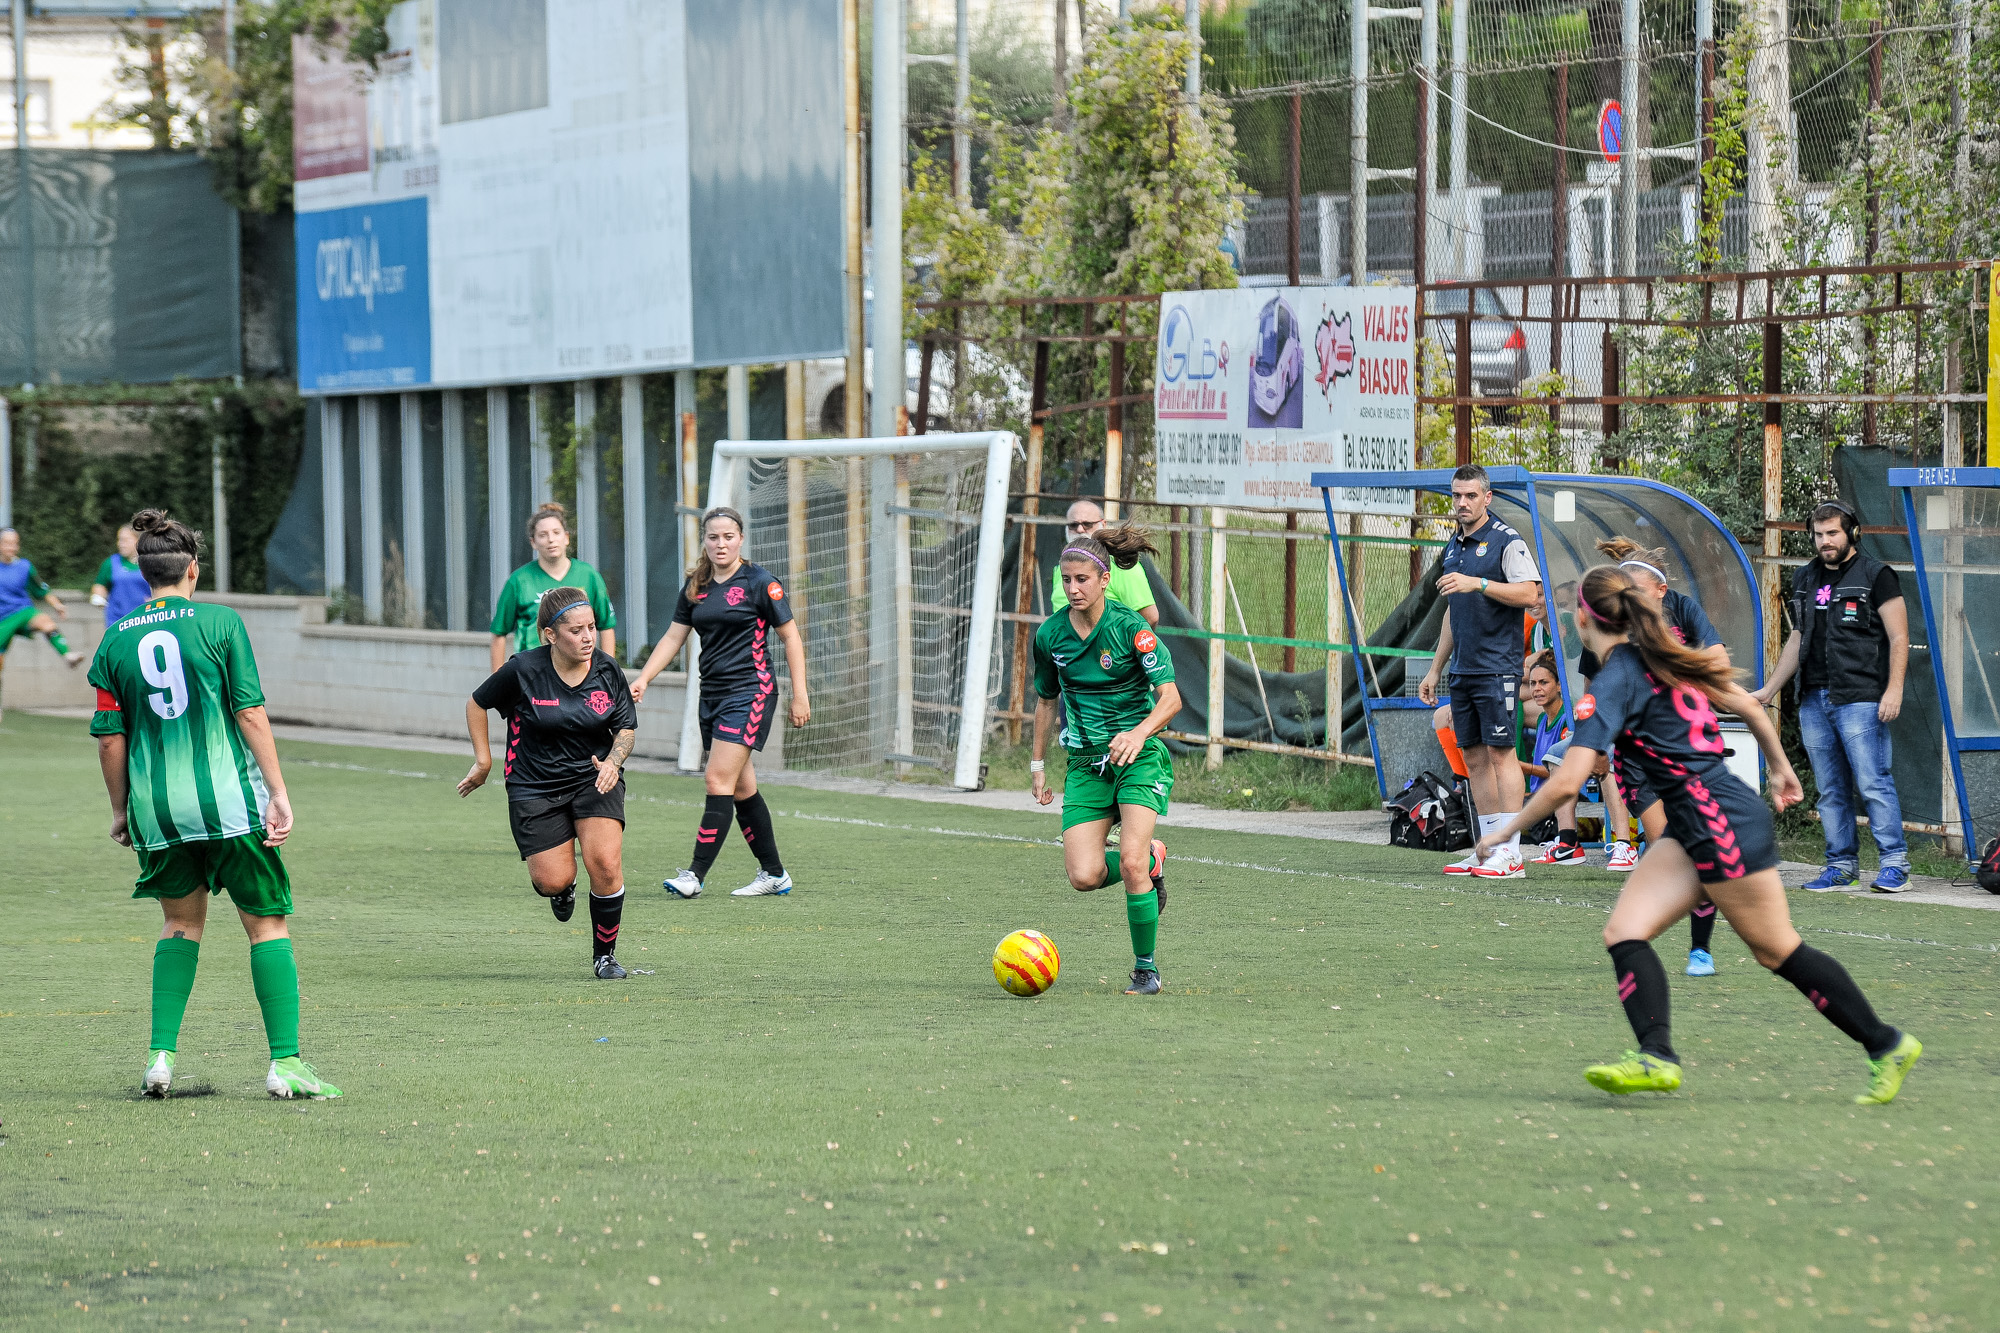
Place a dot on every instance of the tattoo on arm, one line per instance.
(621, 749)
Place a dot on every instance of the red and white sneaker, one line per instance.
(1464, 867)
(1559, 854)
(1505, 863)
(1624, 856)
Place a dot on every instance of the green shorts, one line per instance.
(253, 873)
(1093, 789)
(16, 624)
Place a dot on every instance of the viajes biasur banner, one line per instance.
(1257, 389)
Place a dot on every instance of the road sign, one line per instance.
(1610, 130)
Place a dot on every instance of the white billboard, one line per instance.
(515, 194)
(1257, 389)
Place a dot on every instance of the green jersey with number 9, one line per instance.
(170, 678)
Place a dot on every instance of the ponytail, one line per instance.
(1632, 556)
(701, 571)
(1610, 597)
(1121, 546)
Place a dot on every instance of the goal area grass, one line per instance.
(1359, 1103)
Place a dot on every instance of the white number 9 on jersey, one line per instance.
(160, 664)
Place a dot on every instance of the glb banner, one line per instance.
(1257, 389)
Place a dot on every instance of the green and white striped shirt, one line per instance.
(170, 678)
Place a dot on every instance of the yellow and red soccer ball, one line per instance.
(1026, 963)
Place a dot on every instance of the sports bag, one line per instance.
(1431, 815)
(1988, 872)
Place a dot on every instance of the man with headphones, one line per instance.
(1850, 644)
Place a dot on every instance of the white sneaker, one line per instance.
(1505, 863)
(1464, 867)
(159, 1074)
(1624, 856)
(765, 883)
(683, 885)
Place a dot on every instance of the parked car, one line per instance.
(1499, 343)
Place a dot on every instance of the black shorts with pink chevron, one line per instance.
(743, 718)
(1725, 828)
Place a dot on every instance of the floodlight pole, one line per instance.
(885, 147)
(1631, 154)
(1461, 76)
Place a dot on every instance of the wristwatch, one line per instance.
(1482, 585)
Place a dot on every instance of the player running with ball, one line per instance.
(570, 728)
(1656, 700)
(195, 789)
(1106, 662)
(734, 605)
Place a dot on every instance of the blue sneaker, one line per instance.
(1893, 879)
(1831, 879)
(1700, 963)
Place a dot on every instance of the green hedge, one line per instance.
(69, 511)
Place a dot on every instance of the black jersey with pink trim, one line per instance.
(554, 730)
(734, 617)
(1669, 741)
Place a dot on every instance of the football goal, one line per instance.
(889, 550)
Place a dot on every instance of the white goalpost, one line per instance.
(889, 550)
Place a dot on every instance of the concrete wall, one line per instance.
(411, 682)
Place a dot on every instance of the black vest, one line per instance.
(1857, 646)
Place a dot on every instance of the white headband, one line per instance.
(1654, 570)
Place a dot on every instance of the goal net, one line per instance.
(889, 550)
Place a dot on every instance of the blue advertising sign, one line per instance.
(364, 295)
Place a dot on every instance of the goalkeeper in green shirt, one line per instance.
(1118, 684)
(192, 771)
(515, 626)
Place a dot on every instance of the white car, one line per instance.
(1280, 360)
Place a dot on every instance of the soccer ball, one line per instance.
(1026, 963)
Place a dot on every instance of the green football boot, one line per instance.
(1637, 1072)
(160, 1074)
(293, 1077)
(1885, 1076)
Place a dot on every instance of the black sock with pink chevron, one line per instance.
(708, 838)
(605, 915)
(1701, 926)
(754, 818)
(1823, 981)
(1642, 989)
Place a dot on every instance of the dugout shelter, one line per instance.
(1953, 518)
(1563, 516)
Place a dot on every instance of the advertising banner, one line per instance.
(1258, 388)
(364, 297)
(329, 114)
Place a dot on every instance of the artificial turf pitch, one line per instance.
(1358, 1104)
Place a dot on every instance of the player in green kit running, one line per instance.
(516, 626)
(1106, 662)
(195, 789)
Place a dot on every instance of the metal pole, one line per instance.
(219, 502)
(1426, 168)
(6, 464)
(1610, 379)
(1462, 386)
(457, 574)
(587, 521)
(1194, 54)
(1767, 111)
(369, 442)
(961, 101)
(20, 19)
(689, 469)
(632, 635)
(1290, 656)
(887, 231)
(1114, 438)
(1357, 154)
(1874, 236)
(1559, 218)
(1961, 177)
(541, 462)
(410, 454)
(1292, 210)
(736, 383)
(1028, 566)
(1461, 76)
(1218, 622)
(854, 390)
(1427, 72)
(499, 497)
(1633, 154)
(333, 496)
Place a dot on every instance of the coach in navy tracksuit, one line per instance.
(1490, 579)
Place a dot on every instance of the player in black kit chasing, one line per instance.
(1656, 699)
(734, 605)
(570, 727)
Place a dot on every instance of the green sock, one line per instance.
(58, 642)
(1142, 915)
(1112, 874)
(274, 975)
(173, 980)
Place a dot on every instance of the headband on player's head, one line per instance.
(1584, 602)
(1654, 570)
(1091, 556)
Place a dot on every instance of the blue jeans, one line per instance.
(1850, 751)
